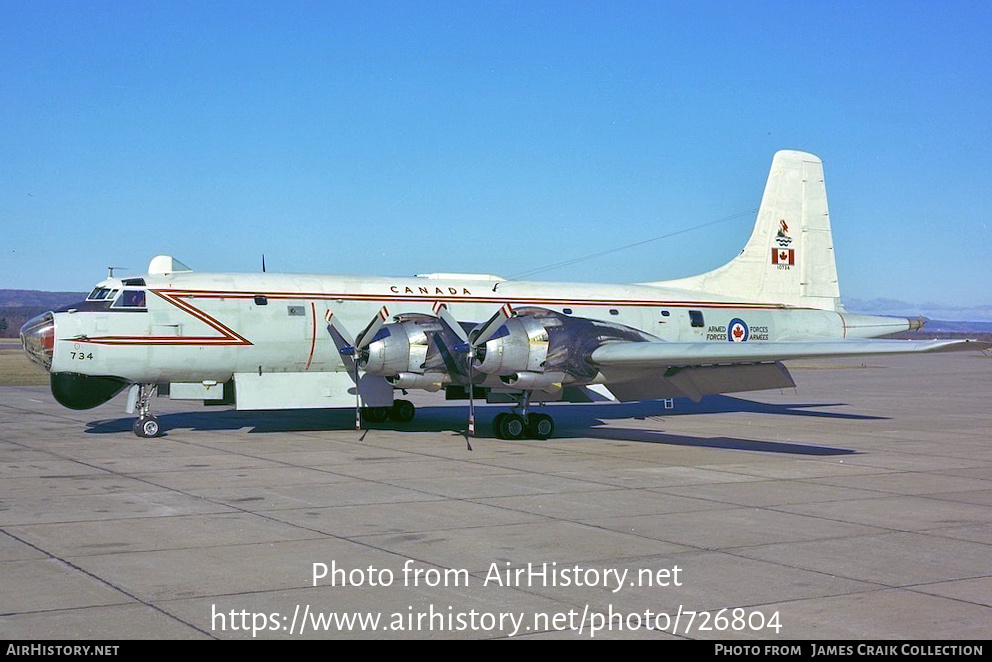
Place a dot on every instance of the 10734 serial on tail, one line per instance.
(279, 341)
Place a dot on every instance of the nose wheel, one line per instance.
(146, 425)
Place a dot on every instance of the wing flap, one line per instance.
(695, 382)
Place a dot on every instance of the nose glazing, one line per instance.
(38, 339)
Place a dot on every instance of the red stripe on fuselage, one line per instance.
(227, 335)
(180, 299)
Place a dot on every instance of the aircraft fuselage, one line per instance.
(277, 341)
(196, 327)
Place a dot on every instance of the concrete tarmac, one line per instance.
(856, 506)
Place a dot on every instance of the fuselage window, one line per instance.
(131, 299)
(696, 318)
(614, 311)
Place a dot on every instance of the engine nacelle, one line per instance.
(536, 350)
(521, 345)
(431, 381)
(400, 347)
(549, 382)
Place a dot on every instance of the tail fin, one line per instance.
(789, 258)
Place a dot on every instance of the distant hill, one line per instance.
(18, 306)
(948, 329)
(933, 311)
(947, 326)
(16, 298)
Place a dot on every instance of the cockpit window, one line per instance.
(98, 294)
(131, 299)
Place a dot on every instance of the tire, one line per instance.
(375, 414)
(511, 426)
(402, 411)
(497, 421)
(147, 427)
(540, 426)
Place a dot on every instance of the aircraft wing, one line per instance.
(678, 354)
(652, 370)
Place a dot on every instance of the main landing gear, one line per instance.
(402, 411)
(525, 425)
(510, 425)
(145, 425)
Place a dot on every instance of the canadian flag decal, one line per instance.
(784, 256)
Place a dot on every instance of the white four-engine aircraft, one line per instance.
(280, 341)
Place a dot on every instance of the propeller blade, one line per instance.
(351, 348)
(358, 401)
(469, 343)
(343, 339)
(471, 402)
(450, 322)
(365, 338)
(481, 334)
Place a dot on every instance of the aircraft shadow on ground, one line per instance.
(585, 420)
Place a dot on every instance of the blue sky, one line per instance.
(497, 137)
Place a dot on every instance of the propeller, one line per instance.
(470, 343)
(353, 347)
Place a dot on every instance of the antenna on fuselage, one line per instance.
(263, 263)
(110, 271)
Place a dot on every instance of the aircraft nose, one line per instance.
(38, 339)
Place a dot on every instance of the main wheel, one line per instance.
(497, 421)
(402, 411)
(375, 414)
(509, 426)
(146, 426)
(540, 426)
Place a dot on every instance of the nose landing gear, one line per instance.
(145, 425)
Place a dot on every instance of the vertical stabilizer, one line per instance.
(789, 258)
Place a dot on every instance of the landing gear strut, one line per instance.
(511, 425)
(145, 425)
